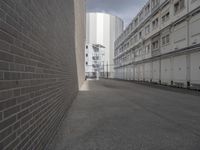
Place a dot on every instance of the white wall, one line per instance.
(166, 71)
(195, 68)
(176, 62)
(194, 29)
(180, 69)
(156, 71)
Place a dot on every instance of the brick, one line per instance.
(26, 119)
(1, 116)
(11, 76)
(4, 66)
(10, 3)
(11, 111)
(26, 104)
(11, 21)
(1, 75)
(16, 126)
(5, 37)
(21, 60)
(23, 98)
(9, 29)
(7, 104)
(8, 140)
(4, 85)
(7, 122)
(13, 144)
(23, 113)
(4, 46)
(17, 51)
(5, 95)
(29, 69)
(17, 92)
(16, 67)
(2, 14)
(5, 133)
(8, 9)
(6, 57)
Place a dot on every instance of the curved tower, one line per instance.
(103, 29)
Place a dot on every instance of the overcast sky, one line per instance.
(125, 9)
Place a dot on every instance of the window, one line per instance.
(147, 49)
(141, 16)
(155, 23)
(86, 63)
(147, 9)
(147, 29)
(140, 35)
(137, 53)
(165, 40)
(193, 1)
(86, 55)
(86, 47)
(155, 3)
(182, 4)
(178, 6)
(135, 38)
(136, 21)
(155, 45)
(131, 41)
(165, 17)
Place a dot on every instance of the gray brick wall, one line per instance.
(38, 76)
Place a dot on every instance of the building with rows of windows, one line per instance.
(161, 44)
(94, 60)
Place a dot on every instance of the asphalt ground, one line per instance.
(117, 115)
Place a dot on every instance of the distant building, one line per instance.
(103, 29)
(94, 60)
(162, 44)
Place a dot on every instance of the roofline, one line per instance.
(106, 14)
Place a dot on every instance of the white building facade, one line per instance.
(162, 44)
(94, 60)
(103, 29)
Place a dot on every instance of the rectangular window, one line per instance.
(147, 29)
(136, 21)
(193, 1)
(135, 38)
(140, 35)
(165, 40)
(147, 9)
(147, 49)
(141, 16)
(155, 45)
(165, 17)
(182, 4)
(155, 23)
(178, 6)
(155, 3)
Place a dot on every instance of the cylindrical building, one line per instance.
(103, 29)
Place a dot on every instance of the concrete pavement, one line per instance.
(117, 115)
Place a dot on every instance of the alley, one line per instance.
(117, 115)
